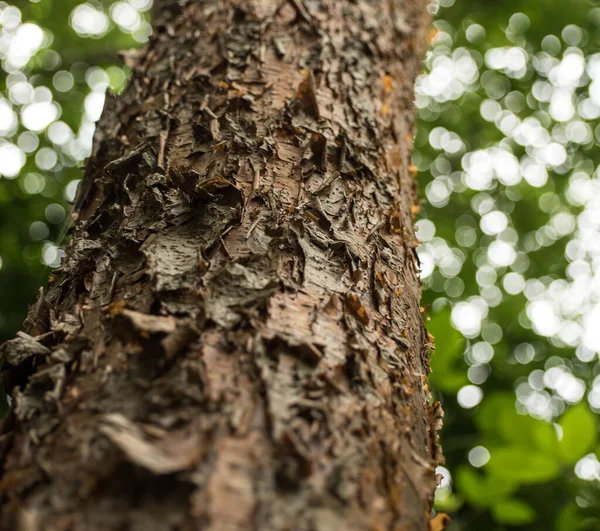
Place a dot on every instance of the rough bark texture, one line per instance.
(234, 340)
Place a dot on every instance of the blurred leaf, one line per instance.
(513, 512)
(447, 503)
(522, 464)
(571, 519)
(580, 427)
(482, 490)
(497, 417)
(447, 369)
(545, 438)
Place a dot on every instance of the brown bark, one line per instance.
(234, 340)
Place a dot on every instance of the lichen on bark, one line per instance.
(234, 340)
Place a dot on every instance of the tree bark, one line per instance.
(234, 339)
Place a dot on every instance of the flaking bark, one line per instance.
(234, 340)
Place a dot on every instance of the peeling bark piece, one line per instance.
(128, 159)
(319, 149)
(354, 303)
(40, 401)
(301, 10)
(38, 317)
(279, 46)
(149, 324)
(232, 485)
(179, 339)
(208, 188)
(173, 259)
(174, 334)
(16, 351)
(166, 456)
(238, 287)
(307, 93)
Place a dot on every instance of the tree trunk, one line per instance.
(234, 340)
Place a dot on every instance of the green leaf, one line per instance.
(494, 407)
(497, 417)
(482, 490)
(522, 464)
(545, 438)
(447, 365)
(447, 502)
(513, 512)
(570, 518)
(580, 429)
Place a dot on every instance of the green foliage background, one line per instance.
(507, 151)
